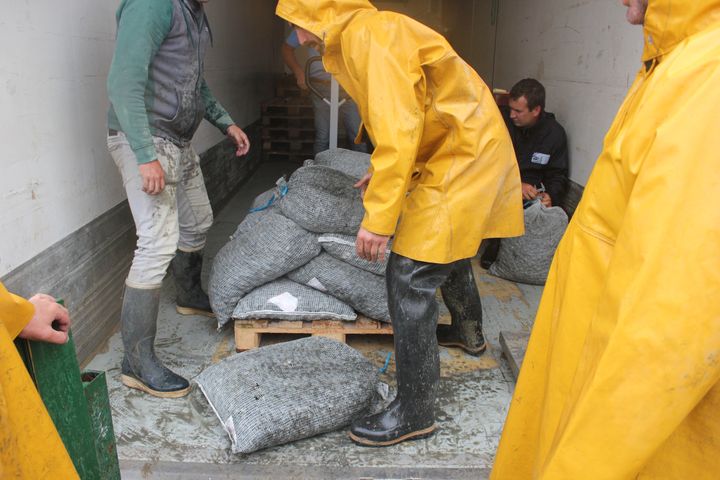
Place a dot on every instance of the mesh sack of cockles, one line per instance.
(252, 219)
(283, 299)
(527, 259)
(289, 391)
(354, 164)
(342, 247)
(362, 290)
(321, 199)
(263, 204)
(274, 247)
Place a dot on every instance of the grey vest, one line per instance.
(175, 104)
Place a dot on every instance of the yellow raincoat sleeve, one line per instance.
(30, 447)
(393, 116)
(652, 353)
(21, 309)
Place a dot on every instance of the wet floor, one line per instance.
(182, 438)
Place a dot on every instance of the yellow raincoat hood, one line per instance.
(669, 22)
(321, 17)
(621, 378)
(436, 129)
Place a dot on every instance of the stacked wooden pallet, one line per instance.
(248, 332)
(288, 129)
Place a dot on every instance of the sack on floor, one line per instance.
(362, 290)
(321, 199)
(269, 250)
(527, 259)
(288, 391)
(354, 164)
(284, 299)
(342, 247)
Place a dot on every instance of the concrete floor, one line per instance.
(182, 438)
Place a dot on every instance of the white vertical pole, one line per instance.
(334, 112)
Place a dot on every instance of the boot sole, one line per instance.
(193, 311)
(424, 433)
(138, 385)
(475, 352)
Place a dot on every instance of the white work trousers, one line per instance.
(177, 218)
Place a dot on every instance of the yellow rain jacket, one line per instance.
(432, 120)
(30, 447)
(621, 376)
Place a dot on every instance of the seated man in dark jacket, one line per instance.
(540, 147)
(539, 141)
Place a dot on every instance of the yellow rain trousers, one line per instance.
(437, 131)
(30, 447)
(621, 376)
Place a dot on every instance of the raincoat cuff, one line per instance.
(17, 313)
(378, 227)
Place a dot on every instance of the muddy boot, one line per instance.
(414, 312)
(492, 248)
(191, 299)
(462, 299)
(141, 369)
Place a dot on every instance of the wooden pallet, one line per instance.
(287, 121)
(289, 146)
(298, 157)
(286, 86)
(289, 133)
(248, 332)
(292, 107)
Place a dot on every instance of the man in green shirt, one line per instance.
(158, 98)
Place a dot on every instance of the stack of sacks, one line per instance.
(293, 257)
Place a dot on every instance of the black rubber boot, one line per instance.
(191, 299)
(462, 299)
(141, 369)
(411, 297)
(490, 254)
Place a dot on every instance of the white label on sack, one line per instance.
(285, 302)
(540, 158)
(317, 285)
(383, 389)
(229, 426)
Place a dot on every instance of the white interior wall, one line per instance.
(56, 173)
(584, 53)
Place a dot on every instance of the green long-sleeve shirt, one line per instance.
(156, 85)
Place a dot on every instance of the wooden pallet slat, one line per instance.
(288, 133)
(285, 121)
(287, 156)
(248, 333)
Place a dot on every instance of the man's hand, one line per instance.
(546, 200)
(153, 177)
(529, 192)
(371, 246)
(300, 79)
(47, 311)
(362, 184)
(241, 140)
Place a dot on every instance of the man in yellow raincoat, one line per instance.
(621, 376)
(30, 447)
(439, 136)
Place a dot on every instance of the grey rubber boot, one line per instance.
(141, 369)
(462, 299)
(191, 299)
(414, 312)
